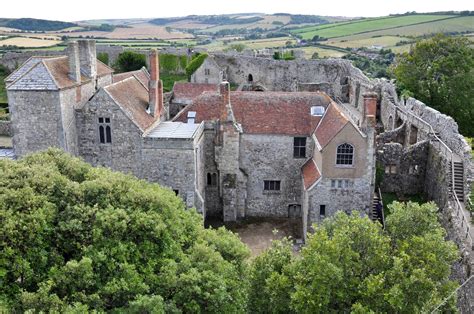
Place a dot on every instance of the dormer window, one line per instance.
(105, 132)
(345, 155)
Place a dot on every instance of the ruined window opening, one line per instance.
(212, 179)
(340, 184)
(250, 78)
(414, 169)
(271, 185)
(345, 155)
(322, 210)
(105, 131)
(299, 147)
(390, 169)
(207, 72)
(176, 192)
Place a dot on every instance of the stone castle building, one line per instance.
(229, 154)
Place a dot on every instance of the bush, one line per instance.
(79, 238)
(195, 63)
(103, 57)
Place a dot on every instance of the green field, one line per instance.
(366, 25)
(3, 92)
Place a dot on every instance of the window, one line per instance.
(105, 132)
(299, 147)
(176, 192)
(207, 72)
(413, 169)
(211, 179)
(390, 169)
(340, 184)
(271, 185)
(345, 155)
(294, 211)
(322, 210)
(333, 183)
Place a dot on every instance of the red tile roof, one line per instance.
(310, 173)
(142, 75)
(187, 92)
(132, 97)
(283, 113)
(332, 123)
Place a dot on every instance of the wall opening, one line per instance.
(390, 123)
(413, 135)
(250, 78)
(294, 211)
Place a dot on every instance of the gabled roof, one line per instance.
(47, 73)
(330, 125)
(310, 173)
(142, 75)
(284, 113)
(132, 97)
(187, 92)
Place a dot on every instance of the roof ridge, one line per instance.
(50, 74)
(34, 66)
(127, 113)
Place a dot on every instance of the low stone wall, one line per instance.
(5, 128)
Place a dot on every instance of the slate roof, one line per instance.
(132, 96)
(284, 113)
(310, 173)
(47, 73)
(331, 124)
(142, 75)
(187, 92)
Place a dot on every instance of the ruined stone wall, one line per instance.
(68, 120)
(36, 121)
(410, 168)
(124, 153)
(12, 60)
(270, 157)
(209, 72)
(213, 201)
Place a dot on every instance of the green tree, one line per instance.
(195, 63)
(440, 72)
(78, 238)
(103, 57)
(130, 61)
(315, 55)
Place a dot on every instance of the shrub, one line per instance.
(195, 63)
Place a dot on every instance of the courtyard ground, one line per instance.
(258, 234)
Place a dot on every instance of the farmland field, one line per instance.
(266, 23)
(384, 41)
(29, 42)
(251, 44)
(359, 26)
(322, 52)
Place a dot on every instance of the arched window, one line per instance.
(250, 78)
(345, 155)
(101, 134)
(105, 131)
(108, 134)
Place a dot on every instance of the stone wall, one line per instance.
(270, 157)
(5, 128)
(36, 121)
(124, 153)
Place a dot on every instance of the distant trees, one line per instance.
(351, 264)
(440, 72)
(103, 57)
(78, 238)
(130, 61)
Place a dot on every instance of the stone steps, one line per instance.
(375, 214)
(458, 172)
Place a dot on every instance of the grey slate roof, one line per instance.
(31, 62)
(174, 130)
(37, 78)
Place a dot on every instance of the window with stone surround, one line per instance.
(105, 131)
(345, 155)
(207, 72)
(299, 147)
(322, 211)
(390, 169)
(271, 185)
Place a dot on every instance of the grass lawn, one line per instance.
(169, 79)
(3, 91)
(389, 198)
(345, 29)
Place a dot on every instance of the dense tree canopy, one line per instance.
(351, 264)
(130, 61)
(440, 72)
(75, 237)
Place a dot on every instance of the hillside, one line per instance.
(28, 24)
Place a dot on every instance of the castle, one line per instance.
(229, 154)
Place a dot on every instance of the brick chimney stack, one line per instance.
(370, 108)
(155, 86)
(224, 91)
(88, 58)
(74, 64)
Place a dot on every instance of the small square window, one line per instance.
(107, 120)
(271, 185)
(340, 184)
(101, 120)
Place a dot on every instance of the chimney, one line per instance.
(155, 86)
(88, 58)
(370, 108)
(74, 66)
(224, 91)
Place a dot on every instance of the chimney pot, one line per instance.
(370, 107)
(88, 57)
(74, 64)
